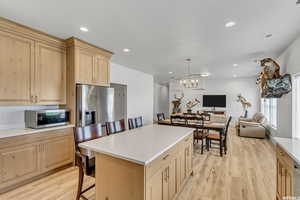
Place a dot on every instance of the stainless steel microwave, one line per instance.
(46, 118)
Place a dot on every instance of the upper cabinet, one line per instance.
(90, 64)
(51, 74)
(16, 69)
(32, 66)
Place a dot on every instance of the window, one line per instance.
(296, 106)
(269, 109)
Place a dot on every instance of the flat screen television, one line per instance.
(214, 101)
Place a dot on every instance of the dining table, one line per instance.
(218, 126)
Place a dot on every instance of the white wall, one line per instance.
(139, 91)
(12, 117)
(289, 61)
(230, 87)
(139, 98)
(161, 100)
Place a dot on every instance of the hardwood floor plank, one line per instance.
(247, 172)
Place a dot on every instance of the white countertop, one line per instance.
(26, 131)
(291, 146)
(141, 145)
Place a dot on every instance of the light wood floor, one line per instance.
(247, 172)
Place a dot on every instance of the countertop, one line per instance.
(291, 146)
(141, 145)
(26, 131)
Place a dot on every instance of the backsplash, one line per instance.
(12, 117)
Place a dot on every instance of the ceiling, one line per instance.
(161, 34)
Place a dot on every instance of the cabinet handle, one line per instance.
(168, 174)
(165, 175)
(36, 98)
(164, 158)
(187, 139)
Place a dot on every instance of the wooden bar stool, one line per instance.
(85, 160)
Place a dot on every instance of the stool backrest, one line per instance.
(115, 127)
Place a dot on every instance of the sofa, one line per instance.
(252, 127)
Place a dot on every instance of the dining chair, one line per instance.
(85, 159)
(131, 123)
(135, 122)
(206, 116)
(115, 126)
(138, 121)
(160, 116)
(178, 120)
(222, 138)
(197, 122)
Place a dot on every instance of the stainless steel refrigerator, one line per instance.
(97, 104)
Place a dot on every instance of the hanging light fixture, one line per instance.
(192, 81)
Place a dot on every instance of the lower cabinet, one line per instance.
(56, 153)
(175, 168)
(285, 175)
(25, 157)
(19, 163)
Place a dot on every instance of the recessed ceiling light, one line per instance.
(268, 35)
(170, 72)
(234, 75)
(230, 24)
(235, 65)
(84, 29)
(126, 50)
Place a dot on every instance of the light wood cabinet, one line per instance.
(32, 66)
(56, 152)
(19, 163)
(50, 74)
(22, 158)
(101, 71)
(86, 64)
(169, 172)
(16, 69)
(90, 63)
(85, 69)
(285, 174)
(117, 178)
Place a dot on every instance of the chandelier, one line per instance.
(192, 81)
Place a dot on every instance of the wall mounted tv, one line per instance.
(214, 101)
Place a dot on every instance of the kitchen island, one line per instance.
(151, 163)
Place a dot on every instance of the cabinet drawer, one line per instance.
(284, 157)
(161, 161)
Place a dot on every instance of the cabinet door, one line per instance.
(279, 179)
(57, 152)
(101, 71)
(17, 164)
(156, 186)
(188, 160)
(16, 69)
(289, 183)
(172, 179)
(85, 67)
(51, 74)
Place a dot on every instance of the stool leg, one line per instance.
(80, 182)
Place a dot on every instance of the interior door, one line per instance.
(51, 74)
(16, 69)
